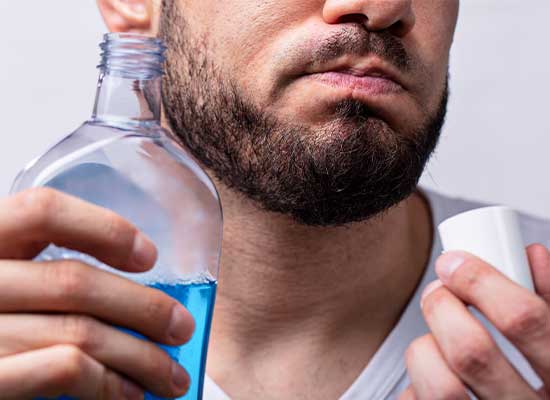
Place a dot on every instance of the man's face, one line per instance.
(323, 110)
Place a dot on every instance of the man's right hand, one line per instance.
(56, 318)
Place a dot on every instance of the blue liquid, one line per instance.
(198, 298)
(88, 181)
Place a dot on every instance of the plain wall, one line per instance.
(494, 146)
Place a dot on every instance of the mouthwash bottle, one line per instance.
(123, 160)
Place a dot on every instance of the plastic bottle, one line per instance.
(123, 160)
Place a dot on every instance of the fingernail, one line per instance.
(181, 325)
(144, 252)
(180, 378)
(429, 289)
(131, 391)
(448, 263)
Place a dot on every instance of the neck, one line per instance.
(281, 281)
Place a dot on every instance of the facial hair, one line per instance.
(284, 167)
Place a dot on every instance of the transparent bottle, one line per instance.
(123, 160)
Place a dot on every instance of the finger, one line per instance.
(37, 217)
(61, 370)
(142, 361)
(408, 394)
(469, 349)
(73, 287)
(431, 377)
(539, 260)
(522, 316)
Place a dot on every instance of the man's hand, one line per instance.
(56, 333)
(459, 353)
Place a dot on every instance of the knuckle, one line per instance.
(70, 279)
(530, 320)
(156, 306)
(159, 361)
(117, 227)
(472, 274)
(158, 366)
(418, 348)
(70, 366)
(473, 357)
(410, 354)
(80, 331)
(36, 205)
(433, 301)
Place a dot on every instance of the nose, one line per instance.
(396, 16)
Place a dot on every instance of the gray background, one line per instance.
(494, 147)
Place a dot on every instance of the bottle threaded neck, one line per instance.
(132, 56)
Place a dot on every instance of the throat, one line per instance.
(301, 369)
(294, 302)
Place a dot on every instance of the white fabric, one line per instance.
(385, 376)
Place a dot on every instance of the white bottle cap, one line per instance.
(492, 234)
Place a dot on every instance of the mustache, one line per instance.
(357, 41)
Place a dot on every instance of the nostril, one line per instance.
(398, 29)
(353, 18)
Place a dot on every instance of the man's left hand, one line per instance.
(459, 354)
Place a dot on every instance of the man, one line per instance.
(316, 118)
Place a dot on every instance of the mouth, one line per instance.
(369, 85)
(366, 79)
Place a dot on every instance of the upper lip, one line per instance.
(361, 68)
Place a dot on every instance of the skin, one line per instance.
(285, 340)
(56, 337)
(460, 352)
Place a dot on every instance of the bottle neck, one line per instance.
(121, 100)
(129, 87)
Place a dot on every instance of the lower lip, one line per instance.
(370, 85)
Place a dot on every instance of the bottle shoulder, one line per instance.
(147, 152)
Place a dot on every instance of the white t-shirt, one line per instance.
(385, 375)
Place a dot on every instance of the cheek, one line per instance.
(241, 36)
(431, 40)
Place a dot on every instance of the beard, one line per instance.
(349, 171)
